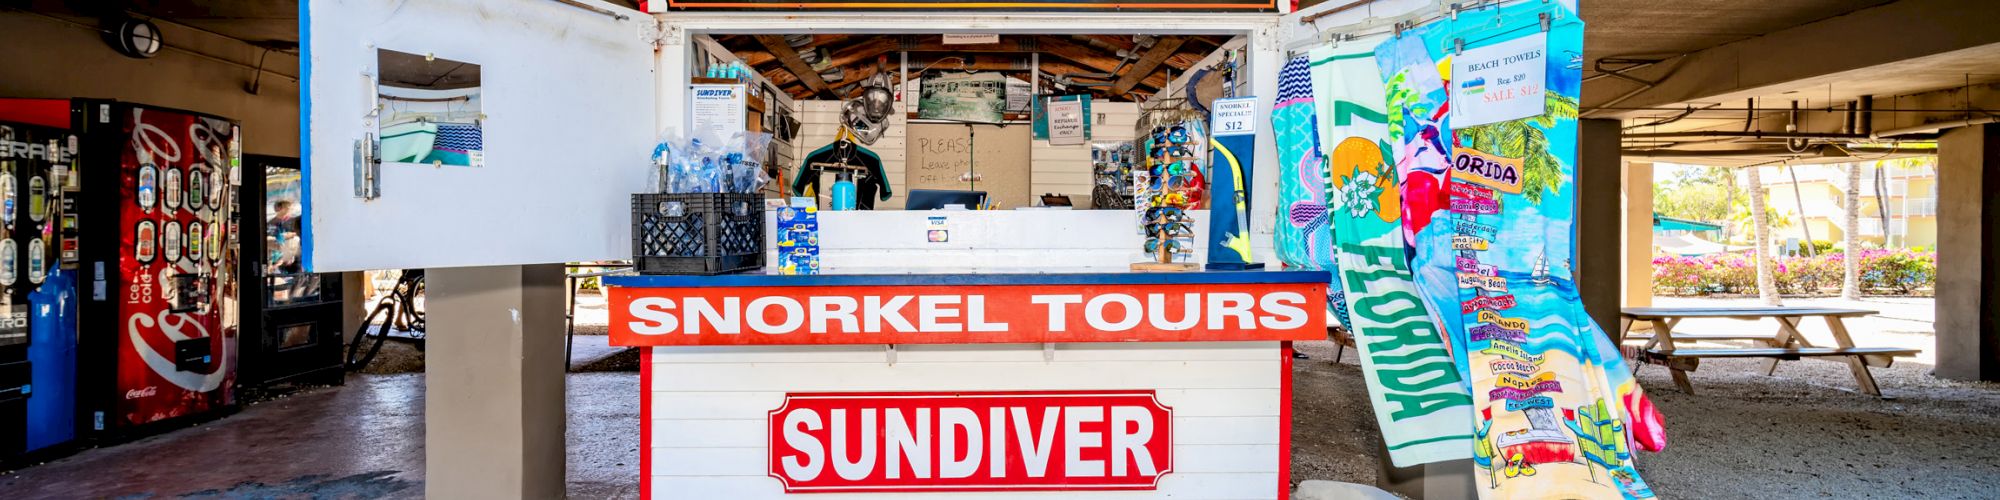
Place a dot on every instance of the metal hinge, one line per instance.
(367, 167)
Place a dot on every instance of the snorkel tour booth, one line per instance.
(1021, 356)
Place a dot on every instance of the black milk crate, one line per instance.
(697, 233)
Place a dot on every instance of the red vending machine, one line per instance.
(155, 224)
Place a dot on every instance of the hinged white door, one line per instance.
(563, 125)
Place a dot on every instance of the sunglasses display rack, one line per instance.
(1170, 184)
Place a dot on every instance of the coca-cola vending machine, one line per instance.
(156, 216)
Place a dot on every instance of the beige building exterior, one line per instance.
(1911, 200)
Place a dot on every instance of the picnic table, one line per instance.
(1785, 344)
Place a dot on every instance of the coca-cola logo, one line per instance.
(145, 392)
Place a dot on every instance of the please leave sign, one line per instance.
(648, 316)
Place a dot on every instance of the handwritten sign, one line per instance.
(1066, 122)
(1500, 82)
(1235, 116)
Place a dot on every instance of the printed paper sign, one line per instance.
(716, 107)
(971, 39)
(936, 314)
(1235, 116)
(970, 441)
(1066, 122)
(1500, 82)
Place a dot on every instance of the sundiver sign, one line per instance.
(970, 441)
(648, 316)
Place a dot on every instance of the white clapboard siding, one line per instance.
(1068, 169)
(820, 120)
(749, 432)
(1194, 486)
(710, 406)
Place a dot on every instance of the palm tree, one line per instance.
(1850, 281)
(1526, 139)
(1767, 280)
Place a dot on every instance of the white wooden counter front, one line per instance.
(891, 361)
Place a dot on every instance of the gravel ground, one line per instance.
(1804, 433)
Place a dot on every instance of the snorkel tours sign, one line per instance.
(877, 314)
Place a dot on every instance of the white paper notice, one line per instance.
(971, 39)
(1065, 122)
(716, 107)
(1500, 82)
(1235, 116)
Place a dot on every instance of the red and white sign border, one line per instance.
(770, 442)
(1284, 486)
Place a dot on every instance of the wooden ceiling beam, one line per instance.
(777, 46)
(1138, 71)
(1090, 57)
(864, 52)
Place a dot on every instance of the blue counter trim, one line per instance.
(972, 279)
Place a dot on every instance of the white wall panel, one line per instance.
(568, 95)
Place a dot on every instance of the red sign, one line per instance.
(647, 316)
(970, 441)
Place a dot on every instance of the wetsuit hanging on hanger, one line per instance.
(871, 182)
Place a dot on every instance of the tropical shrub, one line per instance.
(1883, 272)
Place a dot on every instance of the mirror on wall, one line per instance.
(430, 110)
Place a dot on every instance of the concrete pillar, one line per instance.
(353, 303)
(1637, 264)
(493, 382)
(1599, 185)
(1968, 282)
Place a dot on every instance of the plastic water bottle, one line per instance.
(843, 191)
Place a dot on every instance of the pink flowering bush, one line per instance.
(1883, 272)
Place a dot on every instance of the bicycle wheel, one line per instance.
(413, 306)
(364, 347)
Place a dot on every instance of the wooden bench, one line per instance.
(1341, 340)
(1681, 361)
(1687, 336)
(1784, 345)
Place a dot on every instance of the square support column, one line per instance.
(493, 382)
(1968, 281)
(1599, 183)
(1637, 264)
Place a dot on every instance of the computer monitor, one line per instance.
(936, 199)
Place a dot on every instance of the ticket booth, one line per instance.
(1019, 355)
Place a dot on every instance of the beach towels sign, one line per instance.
(1500, 82)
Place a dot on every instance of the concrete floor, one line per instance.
(364, 440)
(1802, 434)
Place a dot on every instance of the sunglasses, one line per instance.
(1171, 228)
(1173, 151)
(1173, 245)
